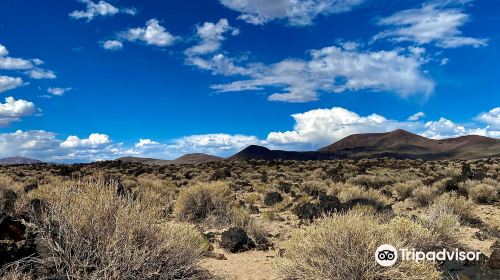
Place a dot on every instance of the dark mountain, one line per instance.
(263, 153)
(395, 144)
(18, 160)
(185, 159)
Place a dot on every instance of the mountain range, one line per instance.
(396, 144)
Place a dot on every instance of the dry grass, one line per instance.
(91, 233)
(342, 247)
(205, 203)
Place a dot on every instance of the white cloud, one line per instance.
(416, 116)
(335, 69)
(13, 63)
(443, 128)
(297, 13)
(95, 140)
(320, 127)
(12, 110)
(101, 8)
(218, 64)
(58, 91)
(8, 83)
(491, 117)
(152, 34)
(112, 45)
(3, 51)
(211, 35)
(435, 23)
(39, 73)
(145, 143)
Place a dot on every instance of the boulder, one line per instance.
(7, 200)
(271, 198)
(494, 261)
(236, 240)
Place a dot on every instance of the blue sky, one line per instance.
(90, 80)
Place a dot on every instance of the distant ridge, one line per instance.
(18, 160)
(398, 144)
(195, 158)
(395, 144)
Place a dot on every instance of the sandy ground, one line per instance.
(251, 265)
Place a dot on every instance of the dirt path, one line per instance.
(251, 265)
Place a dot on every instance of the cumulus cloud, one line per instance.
(95, 140)
(12, 110)
(58, 91)
(101, 8)
(492, 118)
(38, 74)
(13, 63)
(296, 13)
(152, 34)
(210, 36)
(214, 143)
(416, 116)
(437, 23)
(320, 127)
(336, 69)
(112, 45)
(8, 83)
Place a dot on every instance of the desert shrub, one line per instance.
(481, 192)
(443, 224)
(205, 202)
(371, 181)
(458, 205)
(341, 247)
(412, 233)
(314, 187)
(252, 198)
(14, 271)
(424, 195)
(90, 232)
(156, 192)
(352, 192)
(403, 190)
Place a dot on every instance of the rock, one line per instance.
(284, 187)
(328, 203)
(7, 200)
(253, 209)
(220, 174)
(236, 240)
(494, 261)
(13, 243)
(11, 229)
(271, 198)
(309, 211)
(480, 235)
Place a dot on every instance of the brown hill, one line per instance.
(395, 144)
(185, 159)
(406, 144)
(18, 160)
(196, 158)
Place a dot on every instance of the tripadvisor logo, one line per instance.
(387, 255)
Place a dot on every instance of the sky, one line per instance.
(88, 80)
